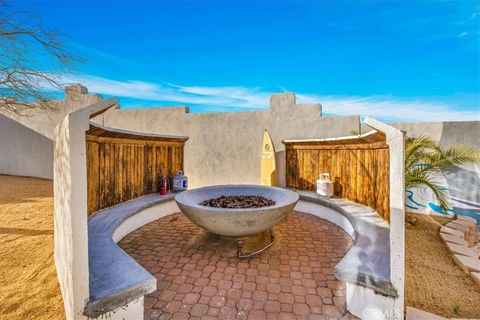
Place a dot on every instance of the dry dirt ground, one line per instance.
(28, 283)
(29, 287)
(434, 283)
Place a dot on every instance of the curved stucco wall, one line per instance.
(226, 147)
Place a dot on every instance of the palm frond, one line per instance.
(424, 158)
(415, 144)
(455, 156)
(419, 149)
(428, 178)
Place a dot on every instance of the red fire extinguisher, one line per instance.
(163, 185)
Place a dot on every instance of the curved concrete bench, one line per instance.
(367, 262)
(116, 279)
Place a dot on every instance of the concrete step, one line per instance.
(476, 247)
(417, 314)
(467, 222)
(476, 277)
(446, 237)
(459, 227)
(471, 242)
(463, 250)
(468, 264)
(470, 225)
(465, 218)
(469, 233)
(452, 232)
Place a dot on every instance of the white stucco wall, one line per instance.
(71, 238)
(44, 121)
(24, 152)
(142, 218)
(396, 143)
(70, 206)
(132, 311)
(26, 138)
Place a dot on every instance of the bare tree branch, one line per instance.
(25, 82)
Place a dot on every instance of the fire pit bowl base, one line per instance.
(236, 222)
(243, 255)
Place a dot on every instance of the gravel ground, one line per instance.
(434, 283)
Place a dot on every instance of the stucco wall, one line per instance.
(227, 147)
(396, 143)
(447, 134)
(44, 121)
(462, 184)
(24, 152)
(70, 185)
(70, 208)
(26, 139)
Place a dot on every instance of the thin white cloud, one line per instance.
(225, 98)
(209, 96)
(244, 97)
(103, 55)
(393, 109)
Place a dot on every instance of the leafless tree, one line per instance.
(28, 54)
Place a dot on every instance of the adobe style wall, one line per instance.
(71, 232)
(226, 147)
(223, 147)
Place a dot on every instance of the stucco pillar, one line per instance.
(70, 194)
(396, 142)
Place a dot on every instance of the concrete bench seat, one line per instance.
(116, 278)
(367, 262)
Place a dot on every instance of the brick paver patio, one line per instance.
(292, 280)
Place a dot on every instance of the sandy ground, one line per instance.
(434, 283)
(28, 283)
(29, 287)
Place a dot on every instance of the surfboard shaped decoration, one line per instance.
(268, 167)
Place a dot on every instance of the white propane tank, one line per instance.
(325, 185)
(180, 182)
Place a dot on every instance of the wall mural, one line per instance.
(462, 185)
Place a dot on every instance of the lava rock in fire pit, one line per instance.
(234, 202)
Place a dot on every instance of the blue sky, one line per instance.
(394, 60)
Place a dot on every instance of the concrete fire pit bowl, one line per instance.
(236, 222)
